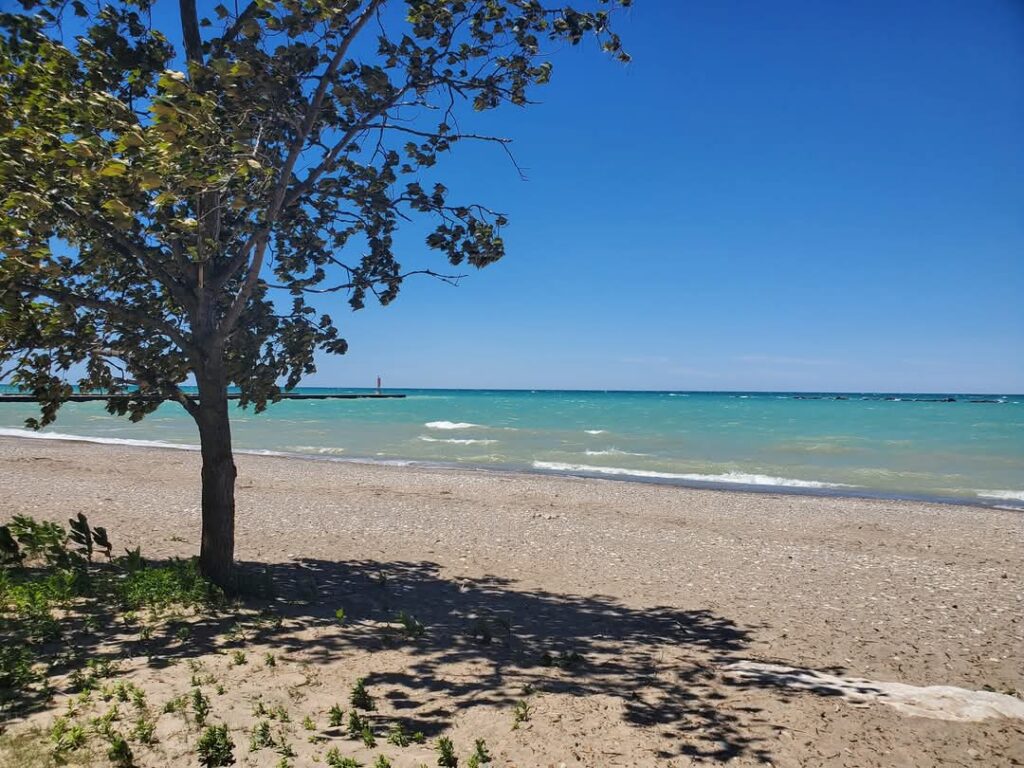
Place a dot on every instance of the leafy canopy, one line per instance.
(171, 212)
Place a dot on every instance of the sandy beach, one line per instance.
(644, 625)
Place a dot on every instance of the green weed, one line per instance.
(367, 736)
(334, 759)
(215, 747)
(356, 724)
(397, 735)
(446, 753)
(360, 698)
(200, 706)
(261, 736)
(480, 755)
(335, 715)
(521, 713)
(410, 626)
(119, 752)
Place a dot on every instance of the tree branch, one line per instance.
(190, 31)
(113, 311)
(284, 180)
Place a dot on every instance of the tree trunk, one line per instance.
(217, 552)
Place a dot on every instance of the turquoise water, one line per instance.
(892, 445)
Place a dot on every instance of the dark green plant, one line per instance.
(335, 715)
(177, 704)
(143, 730)
(200, 706)
(366, 734)
(119, 752)
(397, 735)
(356, 724)
(446, 753)
(381, 762)
(215, 747)
(10, 552)
(88, 538)
(261, 736)
(521, 713)
(480, 755)
(39, 540)
(410, 626)
(360, 698)
(179, 582)
(334, 759)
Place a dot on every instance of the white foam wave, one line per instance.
(614, 452)
(27, 433)
(457, 441)
(596, 431)
(329, 450)
(1004, 495)
(735, 478)
(449, 425)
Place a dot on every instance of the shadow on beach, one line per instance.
(659, 661)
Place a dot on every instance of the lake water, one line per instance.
(897, 445)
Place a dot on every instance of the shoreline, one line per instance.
(686, 606)
(781, 489)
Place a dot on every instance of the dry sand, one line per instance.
(687, 608)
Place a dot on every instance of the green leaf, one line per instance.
(114, 168)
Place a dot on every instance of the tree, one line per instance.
(173, 213)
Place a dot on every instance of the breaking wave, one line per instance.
(733, 478)
(457, 441)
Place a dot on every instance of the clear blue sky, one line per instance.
(786, 195)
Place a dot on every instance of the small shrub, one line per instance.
(238, 658)
(119, 753)
(521, 713)
(397, 735)
(200, 706)
(261, 736)
(270, 660)
(360, 697)
(334, 759)
(335, 715)
(339, 615)
(410, 626)
(177, 583)
(308, 724)
(480, 755)
(177, 704)
(216, 747)
(367, 736)
(144, 730)
(356, 724)
(381, 762)
(446, 753)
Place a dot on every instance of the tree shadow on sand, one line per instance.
(660, 661)
(657, 660)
